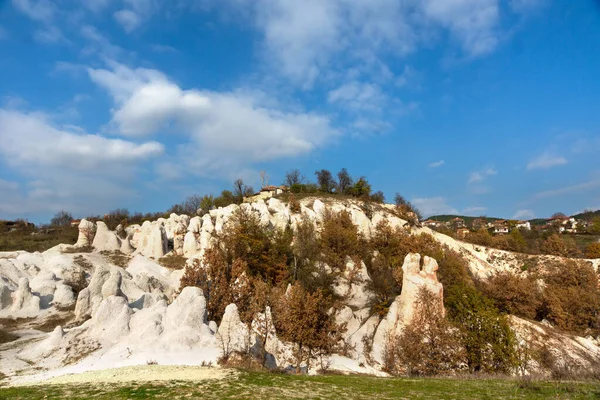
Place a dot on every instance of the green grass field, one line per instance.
(256, 386)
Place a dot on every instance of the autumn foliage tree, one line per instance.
(301, 318)
(429, 345)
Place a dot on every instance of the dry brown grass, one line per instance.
(173, 261)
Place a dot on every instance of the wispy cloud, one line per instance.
(39, 10)
(545, 161)
(128, 19)
(482, 174)
(437, 164)
(524, 214)
(580, 187)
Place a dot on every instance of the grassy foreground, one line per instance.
(256, 386)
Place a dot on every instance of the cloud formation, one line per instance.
(437, 164)
(482, 174)
(66, 167)
(546, 160)
(147, 102)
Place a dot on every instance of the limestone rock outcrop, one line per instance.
(5, 296)
(105, 239)
(152, 240)
(86, 233)
(233, 333)
(415, 278)
(25, 303)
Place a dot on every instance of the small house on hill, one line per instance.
(457, 223)
(266, 193)
(430, 223)
(501, 227)
(523, 225)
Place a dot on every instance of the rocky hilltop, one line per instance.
(107, 302)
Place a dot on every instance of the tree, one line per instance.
(405, 208)
(293, 177)
(339, 239)
(61, 218)
(226, 198)
(594, 227)
(306, 253)
(189, 206)
(239, 190)
(558, 215)
(206, 203)
(489, 341)
(571, 299)
(345, 182)
(514, 294)
(378, 197)
(325, 181)
(361, 188)
(301, 318)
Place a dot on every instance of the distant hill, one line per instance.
(468, 220)
(588, 215)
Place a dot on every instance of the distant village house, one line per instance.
(266, 193)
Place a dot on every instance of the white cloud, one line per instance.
(31, 140)
(472, 22)
(433, 206)
(148, 102)
(437, 164)
(305, 39)
(481, 175)
(66, 168)
(49, 35)
(524, 214)
(99, 44)
(545, 161)
(40, 10)
(358, 96)
(128, 19)
(474, 210)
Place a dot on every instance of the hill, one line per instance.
(587, 215)
(468, 220)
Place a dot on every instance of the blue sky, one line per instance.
(478, 107)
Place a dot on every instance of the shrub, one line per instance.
(302, 319)
(61, 218)
(173, 261)
(428, 346)
(593, 250)
(339, 239)
(268, 253)
(294, 204)
(557, 246)
(489, 342)
(571, 298)
(514, 294)
(482, 237)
